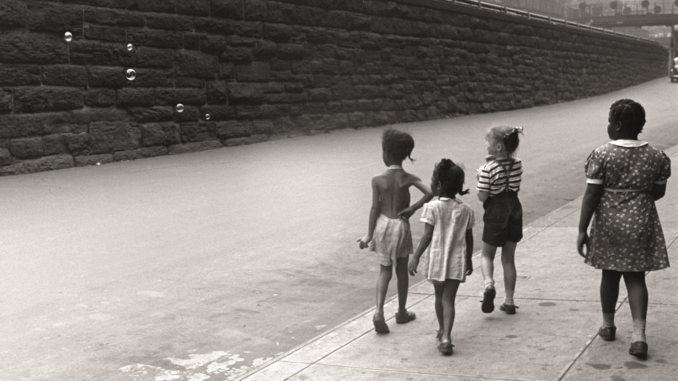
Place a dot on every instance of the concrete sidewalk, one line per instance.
(553, 336)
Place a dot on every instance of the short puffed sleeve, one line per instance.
(427, 214)
(664, 170)
(595, 168)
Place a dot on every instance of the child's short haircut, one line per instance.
(508, 135)
(630, 112)
(451, 178)
(397, 144)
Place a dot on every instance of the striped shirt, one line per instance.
(492, 176)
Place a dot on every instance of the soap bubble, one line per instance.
(68, 36)
(180, 107)
(130, 47)
(207, 116)
(98, 163)
(131, 74)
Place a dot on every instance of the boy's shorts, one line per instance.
(391, 239)
(503, 219)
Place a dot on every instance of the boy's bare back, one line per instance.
(393, 190)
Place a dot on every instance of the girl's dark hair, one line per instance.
(630, 113)
(451, 178)
(397, 144)
(507, 135)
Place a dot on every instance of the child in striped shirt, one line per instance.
(498, 186)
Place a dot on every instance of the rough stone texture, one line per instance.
(264, 70)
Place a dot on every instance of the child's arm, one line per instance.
(483, 196)
(428, 196)
(423, 244)
(588, 206)
(469, 251)
(374, 214)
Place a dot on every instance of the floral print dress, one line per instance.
(626, 234)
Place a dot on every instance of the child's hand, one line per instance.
(406, 213)
(469, 266)
(583, 240)
(412, 266)
(364, 242)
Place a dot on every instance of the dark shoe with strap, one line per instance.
(639, 349)
(446, 348)
(405, 317)
(510, 309)
(607, 333)
(488, 300)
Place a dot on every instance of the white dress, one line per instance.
(445, 257)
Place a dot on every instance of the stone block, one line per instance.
(254, 72)
(194, 147)
(152, 78)
(65, 75)
(258, 111)
(31, 99)
(13, 14)
(173, 97)
(195, 64)
(156, 38)
(5, 156)
(244, 93)
(54, 145)
(153, 57)
(19, 75)
(168, 22)
(105, 33)
(193, 7)
(100, 98)
(83, 161)
(319, 95)
(96, 53)
(107, 137)
(227, 8)
(263, 126)
(197, 83)
(233, 129)
(237, 54)
(135, 97)
(55, 18)
(42, 164)
(26, 148)
(152, 114)
(5, 101)
(112, 78)
(197, 132)
(217, 112)
(19, 47)
(214, 44)
(157, 134)
(217, 92)
(227, 71)
(76, 142)
(102, 14)
(108, 114)
(265, 49)
(190, 114)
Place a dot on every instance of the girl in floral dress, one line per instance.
(624, 179)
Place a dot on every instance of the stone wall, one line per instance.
(269, 69)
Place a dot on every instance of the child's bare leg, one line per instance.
(449, 295)
(638, 300)
(508, 263)
(487, 264)
(385, 273)
(403, 283)
(609, 290)
(439, 309)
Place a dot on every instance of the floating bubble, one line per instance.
(98, 163)
(180, 107)
(68, 36)
(130, 47)
(207, 116)
(131, 74)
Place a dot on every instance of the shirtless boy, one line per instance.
(389, 228)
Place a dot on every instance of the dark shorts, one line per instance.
(503, 219)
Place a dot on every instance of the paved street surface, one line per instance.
(553, 335)
(207, 265)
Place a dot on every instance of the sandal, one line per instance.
(607, 333)
(380, 325)
(405, 318)
(639, 349)
(510, 309)
(488, 300)
(446, 348)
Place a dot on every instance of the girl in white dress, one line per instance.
(447, 243)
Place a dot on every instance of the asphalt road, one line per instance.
(214, 262)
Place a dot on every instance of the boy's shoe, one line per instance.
(607, 333)
(405, 318)
(639, 349)
(446, 348)
(488, 300)
(510, 309)
(380, 325)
